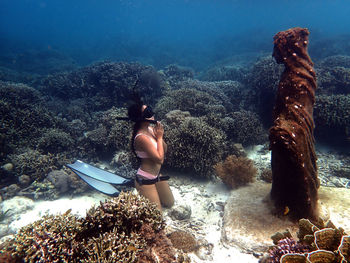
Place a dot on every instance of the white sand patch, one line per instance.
(78, 205)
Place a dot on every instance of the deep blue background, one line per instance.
(193, 33)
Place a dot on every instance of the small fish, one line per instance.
(286, 211)
(131, 248)
(67, 212)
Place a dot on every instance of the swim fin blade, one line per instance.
(98, 178)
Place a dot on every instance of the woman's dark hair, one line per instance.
(135, 114)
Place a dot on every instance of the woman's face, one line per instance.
(150, 110)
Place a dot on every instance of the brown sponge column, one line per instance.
(293, 160)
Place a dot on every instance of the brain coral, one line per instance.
(194, 146)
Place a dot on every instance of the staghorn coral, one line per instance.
(293, 159)
(236, 171)
(114, 246)
(194, 146)
(128, 212)
(50, 239)
(125, 229)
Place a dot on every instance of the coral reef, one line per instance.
(335, 80)
(50, 239)
(322, 243)
(175, 73)
(224, 73)
(293, 160)
(194, 146)
(55, 141)
(24, 116)
(198, 103)
(331, 114)
(243, 127)
(104, 85)
(236, 171)
(286, 246)
(128, 228)
(128, 212)
(35, 164)
(263, 82)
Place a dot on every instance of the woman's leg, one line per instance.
(164, 192)
(150, 192)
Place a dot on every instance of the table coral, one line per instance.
(293, 159)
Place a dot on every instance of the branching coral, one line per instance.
(127, 212)
(236, 171)
(35, 164)
(104, 85)
(55, 141)
(125, 229)
(194, 146)
(47, 240)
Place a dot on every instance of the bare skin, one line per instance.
(160, 192)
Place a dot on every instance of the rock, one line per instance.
(8, 167)
(24, 180)
(180, 212)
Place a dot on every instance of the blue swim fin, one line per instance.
(98, 178)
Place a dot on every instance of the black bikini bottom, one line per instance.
(143, 181)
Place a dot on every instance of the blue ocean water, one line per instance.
(193, 33)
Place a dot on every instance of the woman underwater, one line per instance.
(149, 146)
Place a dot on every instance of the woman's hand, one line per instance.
(158, 130)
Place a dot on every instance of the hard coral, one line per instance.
(124, 229)
(47, 240)
(286, 246)
(128, 212)
(321, 243)
(236, 171)
(194, 146)
(104, 84)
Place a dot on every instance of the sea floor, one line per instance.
(205, 209)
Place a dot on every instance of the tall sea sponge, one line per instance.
(236, 171)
